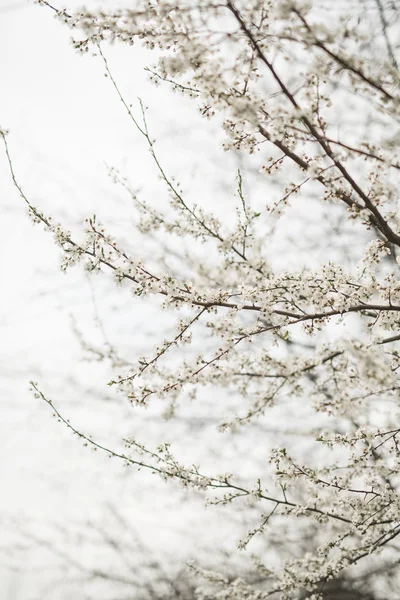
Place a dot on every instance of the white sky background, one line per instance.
(65, 123)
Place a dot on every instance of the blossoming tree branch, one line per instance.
(282, 79)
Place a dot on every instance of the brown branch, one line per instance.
(213, 482)
(342, 62)
(379, 220)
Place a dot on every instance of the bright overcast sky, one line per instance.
(65, 123)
